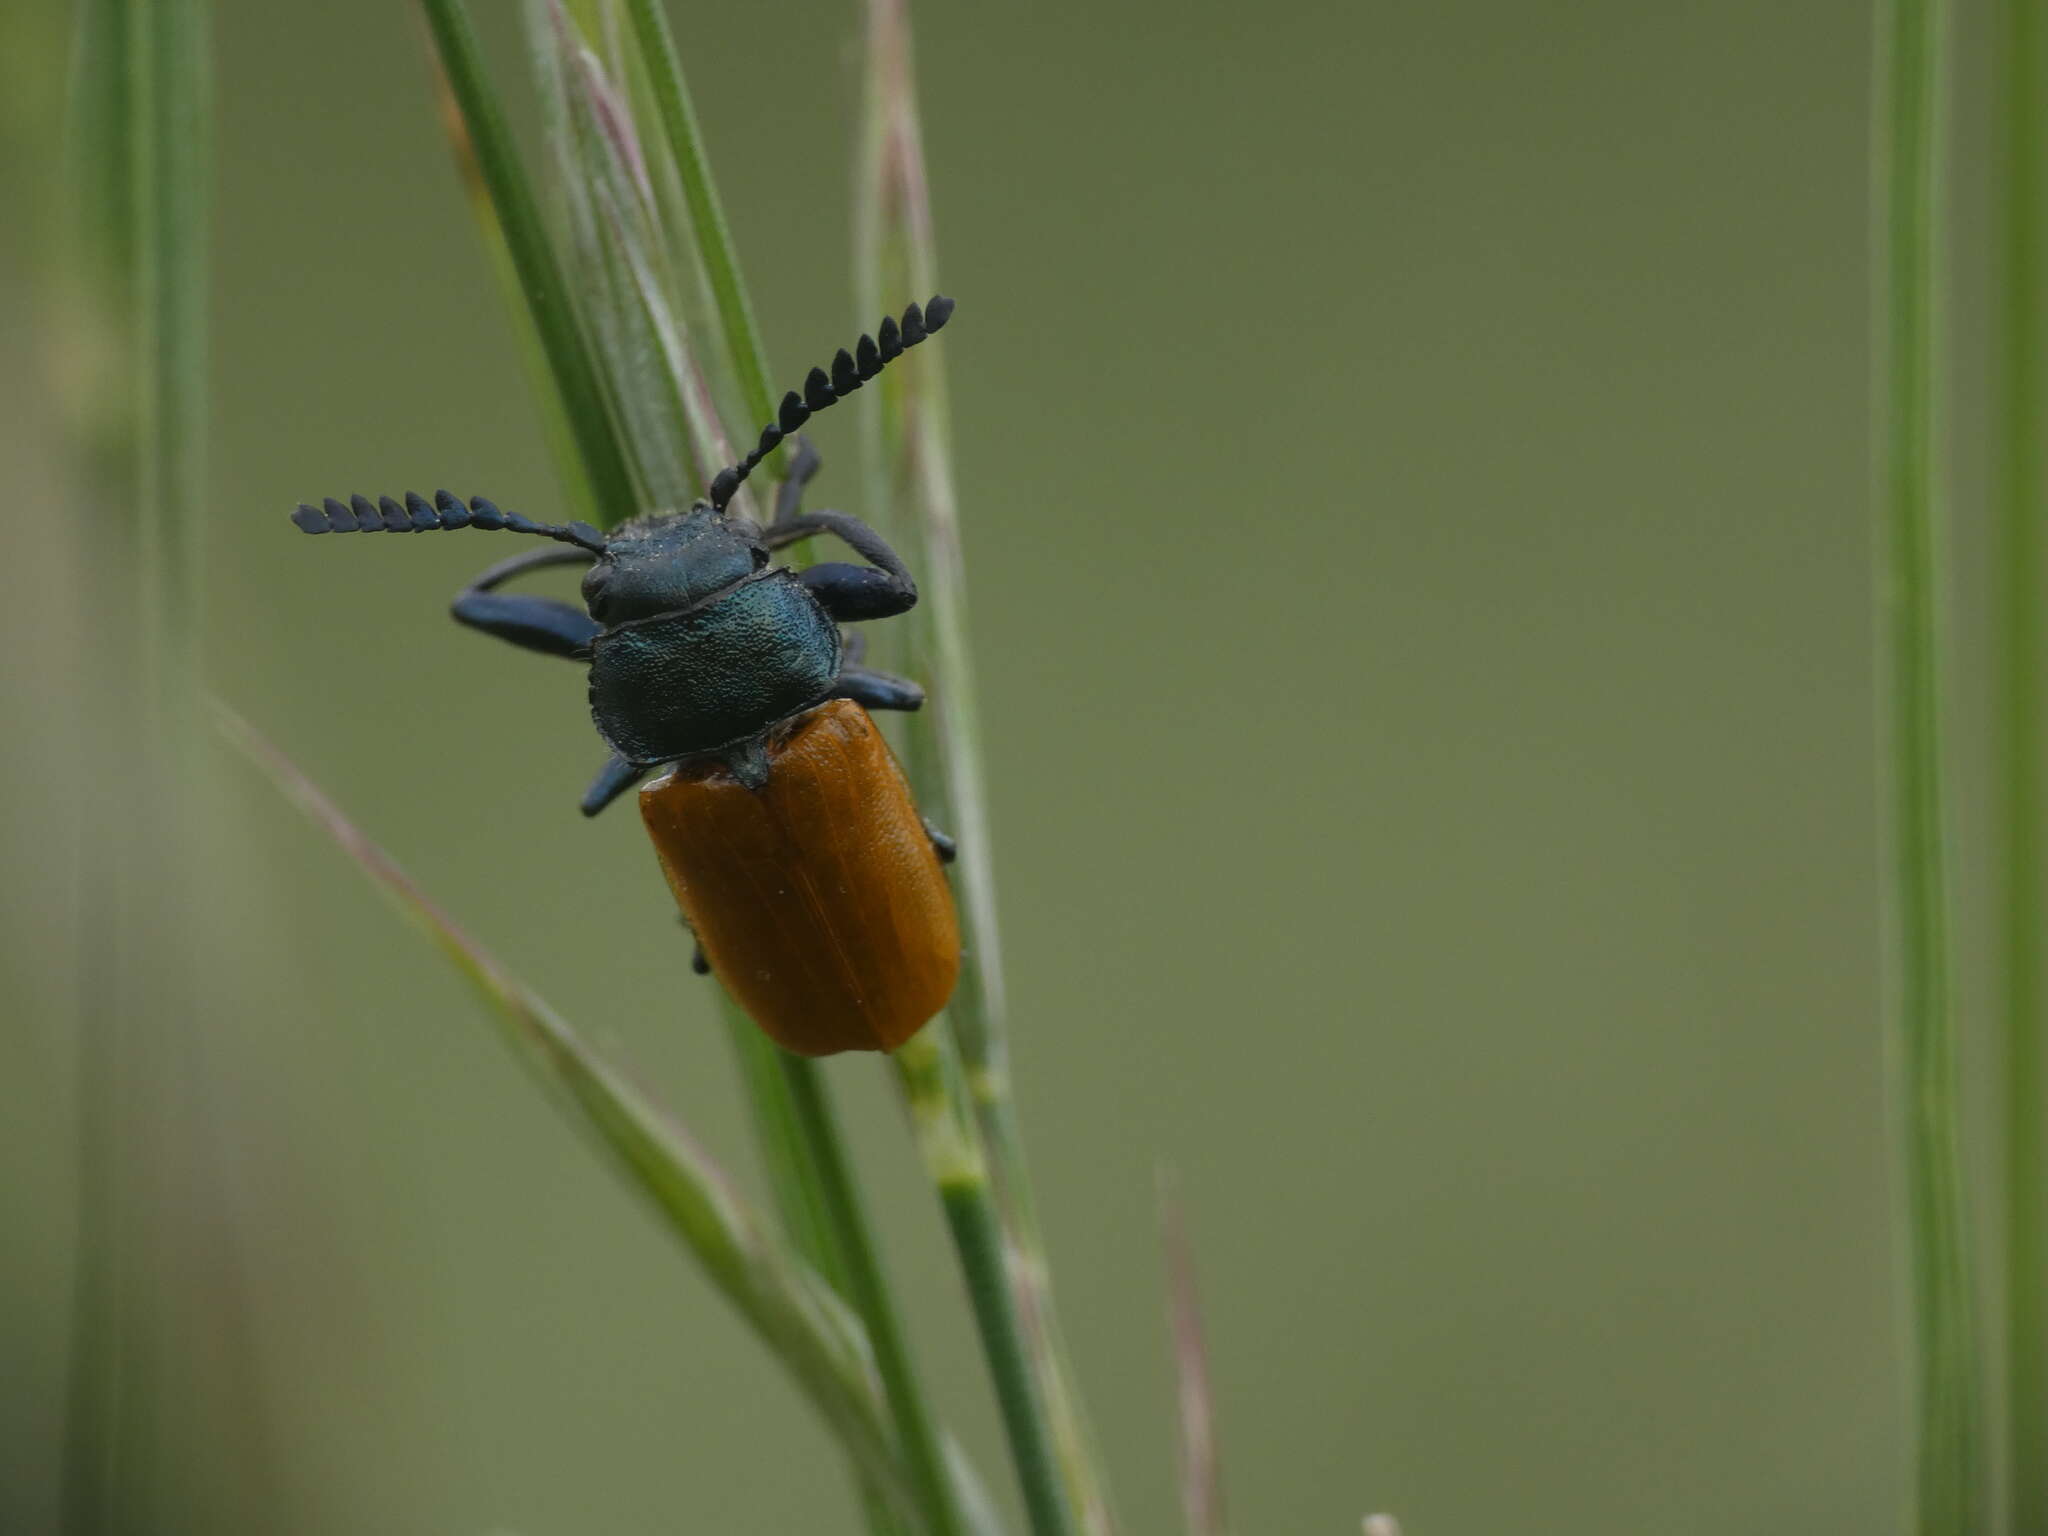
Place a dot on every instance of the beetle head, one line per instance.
(670, 561)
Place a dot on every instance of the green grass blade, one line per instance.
(541, 281)
(869, 1293)
(621, 265)
(561, 436)
(910, 479)
(792, 1311)
(2021, 635)
(1950, 1458)
(929, 1071)
(713, 240)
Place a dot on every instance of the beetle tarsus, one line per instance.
(942, 845)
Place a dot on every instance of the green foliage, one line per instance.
(1949, 1378)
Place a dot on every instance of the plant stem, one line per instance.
(2019, 424)
(909, 464)
(533, 257)
(707, 215)
(929, 1070)
(1948, 1374)
(918, 1438)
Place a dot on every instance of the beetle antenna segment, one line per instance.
(446, 511)
(849, 371)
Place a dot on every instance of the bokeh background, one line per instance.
(1414, 470)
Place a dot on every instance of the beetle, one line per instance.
(783, 824)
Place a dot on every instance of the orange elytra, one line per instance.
(818, 898)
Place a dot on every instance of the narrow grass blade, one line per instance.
(2023, 509)
(869, 1293)
(911, 481)
(541, 281)
(563, 447)
(1201, 1485)
(794, 1313)
(713, 240)
(928, 1069)
(1950, 1456)
(622, 265)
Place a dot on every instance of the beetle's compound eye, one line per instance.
(760, 557)
(597, 591)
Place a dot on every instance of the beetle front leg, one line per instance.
(880, 589)
(533, 623)
(789, 496)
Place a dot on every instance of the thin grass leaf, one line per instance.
(1201, 1469)
(911, 481)
(1949, 1379)
(794, 1313)
(561, 437)
(664, 74)
(541, 282)
(619, 265)
(2023, 630)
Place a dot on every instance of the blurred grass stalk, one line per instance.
(131, 323)
(2019, 424)
(956, 1075)
(1949, 1383)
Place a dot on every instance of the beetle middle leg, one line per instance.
(872, 689)
(613, 780)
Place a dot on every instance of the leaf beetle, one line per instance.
(783, 824)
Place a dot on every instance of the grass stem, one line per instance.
(866, 1288)
(910, 474)
(2019, 424)
(533, 257)
(929, 1070)
(1948, 1375)
(707, 214)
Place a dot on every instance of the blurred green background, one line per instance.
(1414, 468)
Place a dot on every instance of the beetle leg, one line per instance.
(803, 468)
(699, 961)
(878, 590)
(942, 845)
(877, 690)
(613, 780)
(534, 623)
